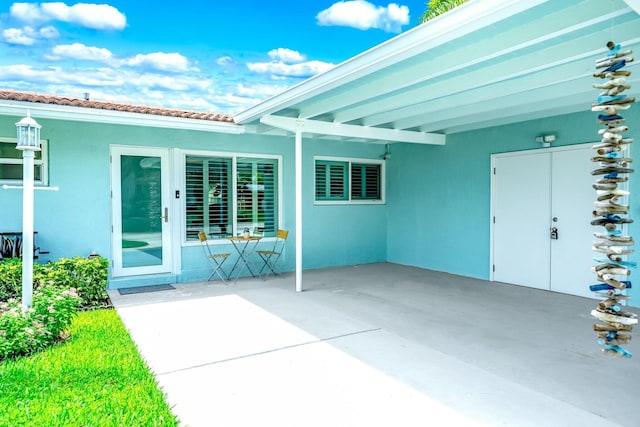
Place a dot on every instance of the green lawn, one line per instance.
(94, 379)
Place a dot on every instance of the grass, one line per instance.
(96, 378)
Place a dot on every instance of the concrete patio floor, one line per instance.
(379, 345)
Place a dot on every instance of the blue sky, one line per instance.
(196, 55)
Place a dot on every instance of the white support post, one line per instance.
(27, 229)
(298, 149)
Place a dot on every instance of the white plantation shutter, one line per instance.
(257, 191)
(208, 201)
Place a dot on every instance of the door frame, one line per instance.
(168, 238)
(493, 184)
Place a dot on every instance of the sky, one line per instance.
(199, 55)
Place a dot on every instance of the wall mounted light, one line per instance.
(545, 140)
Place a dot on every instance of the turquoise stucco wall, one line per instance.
(439, 197)
(75, 220)
(337, 235)
(437, 214)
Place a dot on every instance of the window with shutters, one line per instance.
(348, 181)
(225, 195)
(365, 181)
(11, 164)
(331, 180)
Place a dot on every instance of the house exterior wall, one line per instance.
(76, 220)
(436, 215)
(439, 197)
(342, 234)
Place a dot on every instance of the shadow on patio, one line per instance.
(378, 345)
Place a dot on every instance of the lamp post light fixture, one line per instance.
(28, 142)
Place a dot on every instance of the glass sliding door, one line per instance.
(141, 222)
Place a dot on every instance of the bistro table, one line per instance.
(245, 246)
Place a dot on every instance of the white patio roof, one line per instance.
(485, 63)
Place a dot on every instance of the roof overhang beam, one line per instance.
(459, 21)
(634, 4)
(306, 126)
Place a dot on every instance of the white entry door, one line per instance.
(140, 219)
(572, 206)
(542, 204)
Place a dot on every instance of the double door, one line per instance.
(542, 203)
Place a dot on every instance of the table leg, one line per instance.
(243, 250)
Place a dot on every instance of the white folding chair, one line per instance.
(271, 257)
(216, 259)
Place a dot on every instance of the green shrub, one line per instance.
(87, 275)
(27, 331)
(10, 278)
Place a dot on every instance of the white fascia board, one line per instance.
(93, 115)
(352, 131)
(456, 23)
(634, 4)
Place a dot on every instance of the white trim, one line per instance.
(94, 115)
(299, 189)
(634, 4)
(177, 209)
(168, 250)
(43, 163)
(352, 131)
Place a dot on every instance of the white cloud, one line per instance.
(27, 12)
(259, 91)
(224, 60)
(173, 62)
(48, 32)
(363, 15)
(18, 36)
(80, 51)
(128, 85)
(27, 36)
(287, 56)
(158, 61)
(102, 77)
(96, 16)
(280, 69)
(288, 63)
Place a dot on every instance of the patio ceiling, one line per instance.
(484, 63)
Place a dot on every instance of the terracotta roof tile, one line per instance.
(11, 95)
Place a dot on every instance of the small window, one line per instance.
(345, 181)
(11, 163)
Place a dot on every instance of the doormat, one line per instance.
(144, 289)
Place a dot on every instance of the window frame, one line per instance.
(43, 162)
(234, 157)
(350, 161)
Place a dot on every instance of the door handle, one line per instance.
(554, 233)
(166, 215)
